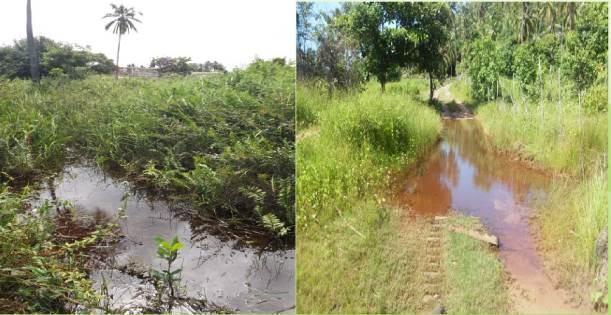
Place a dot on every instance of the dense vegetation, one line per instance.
(182, 65)
(535, 74)
(220, 146)
(540, 91)
(199, 139)
(347, 233)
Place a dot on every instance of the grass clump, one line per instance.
(361, 263)
(475, 283)
(41, 270)
(347, 233)
(571, 221)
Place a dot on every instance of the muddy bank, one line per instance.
(225, 272)
(464, 173)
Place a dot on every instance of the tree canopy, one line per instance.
(69, 59)
(385, 36)
(525, 41)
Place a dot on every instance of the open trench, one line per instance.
(465, 174)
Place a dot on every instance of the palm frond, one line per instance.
(109, 25)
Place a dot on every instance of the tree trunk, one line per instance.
(430, 87)
(118, 50)
(383, 84)
(32, 52)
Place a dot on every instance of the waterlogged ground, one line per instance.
(462, 173)
(244, 279)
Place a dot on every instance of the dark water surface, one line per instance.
(464, 174)
(242, 278)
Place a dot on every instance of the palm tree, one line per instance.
(526, 23)
(123, 19)
(34, 62)
(570, 11)
(548, 15)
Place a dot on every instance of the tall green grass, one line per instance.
(571, 220)
(361, 138)
(224, 144)
(558, 133)
(347, 233)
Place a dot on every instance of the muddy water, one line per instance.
(465, 175)
(241, 278)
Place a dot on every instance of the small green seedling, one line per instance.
(168, 278)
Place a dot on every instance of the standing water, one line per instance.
(464, 174)
(240, 278)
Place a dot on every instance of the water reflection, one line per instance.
(239, 277)
(464, 174)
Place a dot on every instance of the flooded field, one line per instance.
(463, 174)
(241, 278)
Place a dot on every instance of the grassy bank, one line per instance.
(475, 275)
(221, 146)
(566, 134)
(353, 256)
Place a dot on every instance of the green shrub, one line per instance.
(484, 67)
(595, 99)
(506, 50)
(578, 62)
(547, 48)
(526, 66)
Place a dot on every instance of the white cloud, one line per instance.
(232, 32)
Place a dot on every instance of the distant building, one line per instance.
(140, 72)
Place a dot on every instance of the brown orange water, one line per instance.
(464, 174)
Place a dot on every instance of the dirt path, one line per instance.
(532, 290)
(452, 108)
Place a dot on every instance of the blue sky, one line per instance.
(318, 7)
(326, 6)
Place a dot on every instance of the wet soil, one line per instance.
(223, 271)
(465, 174)
(451, 108)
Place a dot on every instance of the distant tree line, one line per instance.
(75, 62)
(55, 58)
(183, 66)
(208, 66)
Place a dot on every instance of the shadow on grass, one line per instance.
(472, 105)
(437, 105)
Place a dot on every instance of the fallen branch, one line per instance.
(490, 239)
